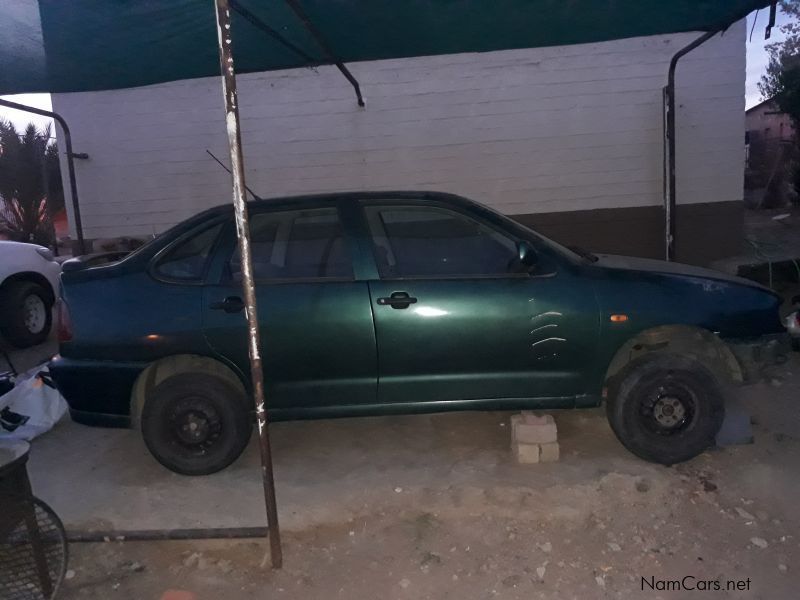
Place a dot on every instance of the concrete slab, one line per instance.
(326, 471)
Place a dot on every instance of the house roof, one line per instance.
(760, 104)
(87, 45)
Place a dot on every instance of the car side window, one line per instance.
(415, 241)
(298, 244)
(186, 261)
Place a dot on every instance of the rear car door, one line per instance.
(456, 320)
(318, 339)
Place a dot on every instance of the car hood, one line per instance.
(630, 263)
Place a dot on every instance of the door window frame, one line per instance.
(228, 244)
(155, 261)
(416, 203)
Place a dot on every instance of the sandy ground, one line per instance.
(434, 507)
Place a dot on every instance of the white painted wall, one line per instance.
(536, 130)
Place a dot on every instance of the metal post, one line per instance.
(73, 186)
(670, 197)
(248, 287)
(47, 203)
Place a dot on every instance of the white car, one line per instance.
(28, 289)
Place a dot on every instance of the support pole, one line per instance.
(670, 197)
(248, 287)
(73, 186)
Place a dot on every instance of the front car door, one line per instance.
(459, 322)
(318, 339)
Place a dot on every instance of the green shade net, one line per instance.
(106, 44)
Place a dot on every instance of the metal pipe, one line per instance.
(73, 186)
(225, 36)
(670, 197)
(330, 55)
(47, 204)
(142, 535)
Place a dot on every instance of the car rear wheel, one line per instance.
(195, 423)
(28, 316)
(665, 408)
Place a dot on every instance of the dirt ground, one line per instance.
(452, 517)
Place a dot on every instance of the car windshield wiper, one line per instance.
(584, 253)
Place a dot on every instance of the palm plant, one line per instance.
(30, 179)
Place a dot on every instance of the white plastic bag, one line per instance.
(32, 407)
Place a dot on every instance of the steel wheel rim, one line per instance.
(35, 313)
(668, 408)
(195, 424)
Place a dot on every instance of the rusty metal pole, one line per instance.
(248, 287)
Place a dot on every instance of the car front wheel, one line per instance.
(195, 423)
(27, 313)
(665, 408)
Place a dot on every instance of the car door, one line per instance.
(456, 319)
(317, 335)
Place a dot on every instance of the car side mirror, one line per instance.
(526, 254)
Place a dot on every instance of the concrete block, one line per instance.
(549, 452)
(533, 430)
(527, 453)
(531, 418)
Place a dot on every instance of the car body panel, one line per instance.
(466, 339)
(19, 257)
(540, 339)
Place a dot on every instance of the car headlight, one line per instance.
(45, 253)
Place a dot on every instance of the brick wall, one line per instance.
(563, 128)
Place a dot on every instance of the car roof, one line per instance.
(349, 195)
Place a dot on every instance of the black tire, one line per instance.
(195, 423)
(18, 328)
(665, 408)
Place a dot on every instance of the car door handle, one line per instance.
(397, 300)
(231, 304)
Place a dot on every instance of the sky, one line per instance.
(756, 64)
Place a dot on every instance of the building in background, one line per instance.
(769, 152)
(568, 139)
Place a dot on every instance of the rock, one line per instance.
(614, 547)
(69, 574)
(782, 568)
(225, 566)
(404, 583)
(430, 558)
(547, 547)
(600, 581)
(540, 571)
(744, 514)
(760, 542)
(192, 559)
(642, 486)
(398, 490)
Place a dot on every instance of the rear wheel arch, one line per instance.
(30, 277)
(164, 368)
(694, 342)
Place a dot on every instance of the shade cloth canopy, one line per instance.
(84, 45)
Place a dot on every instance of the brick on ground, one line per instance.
(528, 428)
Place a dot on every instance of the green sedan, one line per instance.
(378, 303)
